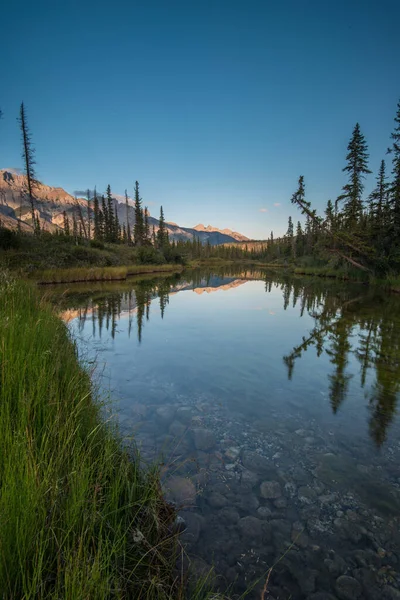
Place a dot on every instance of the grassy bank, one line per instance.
(86, 274)
(78, 519)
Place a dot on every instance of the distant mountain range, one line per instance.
(51, 202)
(210, 229)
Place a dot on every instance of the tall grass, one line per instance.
(78, 518)
(84, 274)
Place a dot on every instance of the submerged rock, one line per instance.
(217, 500)
(249, 478)
(348, 588)
(257, 463)
(177, 429)
(251, 527)
(204, 439)
(270, 490)
(180, 490)
(232, 453)
(264, 512)
(166, 414)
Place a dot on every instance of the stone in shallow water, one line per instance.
(217, 500)
(229, 514)
(257, 463)
(180, 490)
(280, 503)
(348, 588)
(390, 593)
(247, 502)
(194, 523)
(298, 535)
(335, 565)
(306, 494)
(250, 527)
(177, 429)
(264, 512)
(232, 453)
(270, 490)
(184, 414)
(204, 439)
(248, 477)
(166, 414)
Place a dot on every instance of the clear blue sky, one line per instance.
(216, 107)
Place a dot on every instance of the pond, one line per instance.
(271, 402)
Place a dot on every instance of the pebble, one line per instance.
(348, 588)
(270, 490)
(204, 439)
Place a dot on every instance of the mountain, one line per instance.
(51, 202)
(233, 234)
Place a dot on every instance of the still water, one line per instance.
(272, 404)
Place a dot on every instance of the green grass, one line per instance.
(84, 274)
(78, 518)
(351, 274)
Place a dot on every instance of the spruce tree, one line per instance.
(357, 168)
(110, 233)
(66, 224)
(161, 233)
(290, 238)
(74, 227)
(146, 235)
(394, 194)
(96, 217)
(138, 230)
(299, 240)
(128, 227)
(329, 215)
(28, 155)
(106, 225)
(378, 197)
(89, 209)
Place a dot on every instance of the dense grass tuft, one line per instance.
(78, 519)
(84, 274)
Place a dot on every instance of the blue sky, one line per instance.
(216, 107)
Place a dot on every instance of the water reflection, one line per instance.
(366, 327)
(270, 459)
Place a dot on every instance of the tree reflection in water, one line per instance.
(349, 321)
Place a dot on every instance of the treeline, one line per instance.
(101, 222)
(357, 230)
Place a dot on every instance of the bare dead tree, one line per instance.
(28, 156)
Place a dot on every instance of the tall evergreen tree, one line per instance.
(378, 197)
(74, 226)
(28, 155)
(110, 233)
(89, 202)
(66, 224)
(290, 238)
(105, 219)
(96, 217)
(299, 240)
(128, 227)
(161, 233)
(138, 230)
(395, 185)
(146, 235)
(330, 215)
(357, 168)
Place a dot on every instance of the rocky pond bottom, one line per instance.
(272, 405)
(283, 493)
